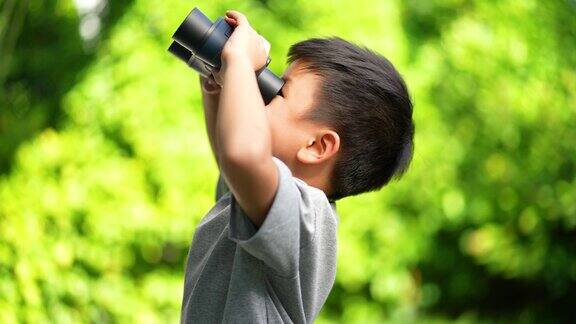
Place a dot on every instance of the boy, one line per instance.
(342, 125)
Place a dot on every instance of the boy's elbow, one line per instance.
(243, 157)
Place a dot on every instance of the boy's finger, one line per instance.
(230, 20)
(239, 17)
(266, 45)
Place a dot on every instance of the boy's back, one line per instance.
(280, 272)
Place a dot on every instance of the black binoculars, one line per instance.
(199, 43)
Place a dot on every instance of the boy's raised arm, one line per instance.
(243, 138)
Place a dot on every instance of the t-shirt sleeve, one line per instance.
(288, 227)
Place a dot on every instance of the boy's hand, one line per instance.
(244, 44)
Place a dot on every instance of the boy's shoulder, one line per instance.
(310, 197)
(315, 201)
(316, 195)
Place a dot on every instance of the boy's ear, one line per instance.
(320, 148)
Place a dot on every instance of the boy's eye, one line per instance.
(282, 92)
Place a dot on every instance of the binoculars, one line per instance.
(199, 43)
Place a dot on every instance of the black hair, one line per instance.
(366, 101)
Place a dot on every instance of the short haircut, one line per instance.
(365, 100)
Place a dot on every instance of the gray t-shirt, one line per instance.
(281, 272)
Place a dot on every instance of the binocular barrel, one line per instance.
(189, 58)
(199, 43)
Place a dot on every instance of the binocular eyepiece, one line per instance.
(199, 43)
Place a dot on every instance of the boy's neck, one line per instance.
(316, 176)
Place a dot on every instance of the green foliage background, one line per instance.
(106, 168)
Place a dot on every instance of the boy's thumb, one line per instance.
(266, 45)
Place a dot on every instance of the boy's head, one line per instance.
(344, 122)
